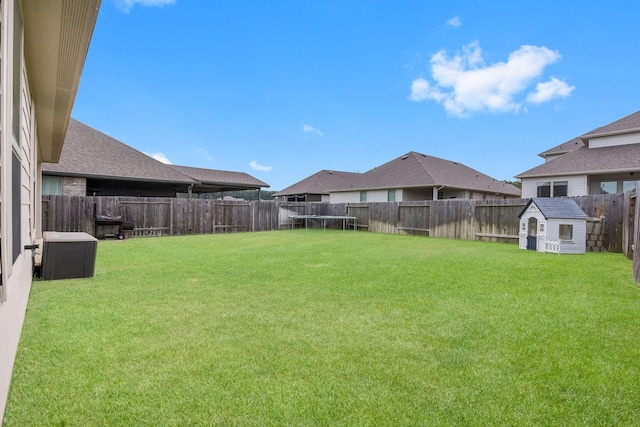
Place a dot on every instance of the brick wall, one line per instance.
(73, 186)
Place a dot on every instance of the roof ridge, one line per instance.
(422, 165)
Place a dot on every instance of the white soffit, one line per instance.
(57, 34)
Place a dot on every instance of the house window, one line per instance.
(566, 232)
(553, 188)
(560, 188)
(628, 186)
(608, 187)
(391, 196)
(51, 186)
(363, 196)
(16, 205)
(544, 189)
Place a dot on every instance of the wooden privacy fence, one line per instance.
(158, 216)
(485, 220)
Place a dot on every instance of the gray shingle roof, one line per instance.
(630, 123)
(89, 153)
(419, 170)
(564, 148)
(621, 158)
(556, 208)
(319, 183)
(220, 178)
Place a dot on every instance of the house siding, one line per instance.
(411, 195)
(578, 244)
(614, 140)
(577, 185)
(16, 274)
(354, 196)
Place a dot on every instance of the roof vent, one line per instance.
(404, 157)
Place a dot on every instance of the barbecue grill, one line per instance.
(113, 221)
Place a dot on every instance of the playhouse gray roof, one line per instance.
(556, 208)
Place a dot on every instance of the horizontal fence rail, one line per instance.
(483, 220)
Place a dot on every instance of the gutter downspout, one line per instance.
(435, 191)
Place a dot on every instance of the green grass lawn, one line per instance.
(335, 328)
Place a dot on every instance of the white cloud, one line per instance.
(455, 22)
(204, 153)
(310, 129)
(159, 157)
(127, 5)
(547, 91)
(258, 167)
(464, 83)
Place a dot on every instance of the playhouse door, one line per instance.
(532, 235)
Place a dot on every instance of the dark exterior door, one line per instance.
(532, 237)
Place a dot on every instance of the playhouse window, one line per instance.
(566, 232)
(542, 228)
(523, 226)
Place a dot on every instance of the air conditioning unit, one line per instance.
(68, 255)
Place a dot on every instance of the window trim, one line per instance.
(552, 187)
(602, 183)
(543, 184)
(50, 181)
(391, 195)
(626, 182)
(568, 235)
(556, 185)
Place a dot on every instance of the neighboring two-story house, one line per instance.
(603, 161)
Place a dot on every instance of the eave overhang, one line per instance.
(57, 34)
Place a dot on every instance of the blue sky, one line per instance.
(283, 89)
